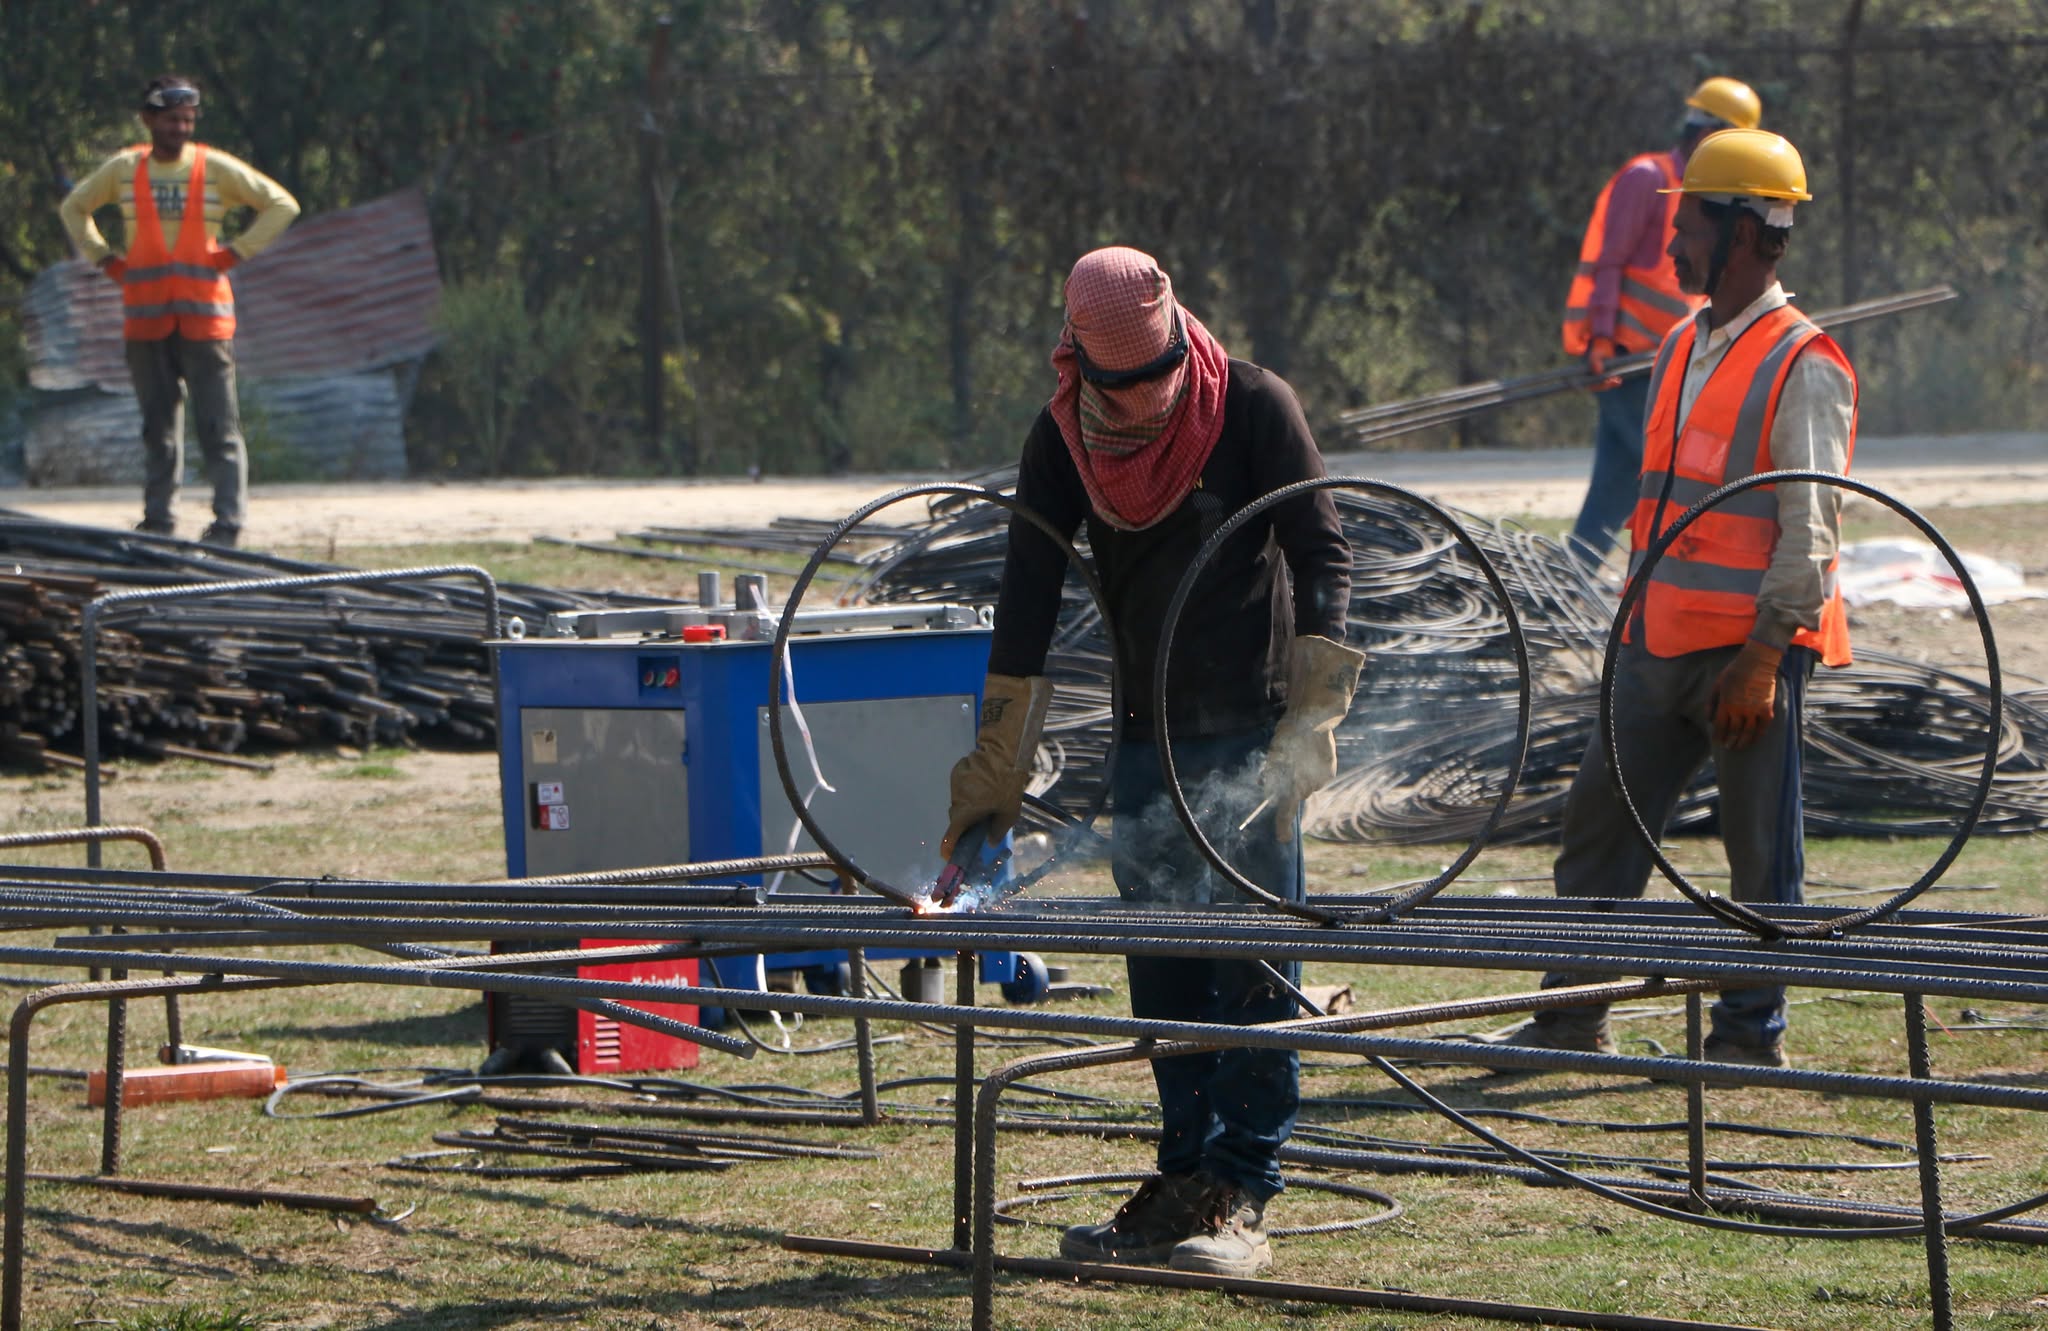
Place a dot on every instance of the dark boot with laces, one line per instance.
(1231, 1240)
(1144, 1229)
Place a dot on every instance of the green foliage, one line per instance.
(499, 367)
(272, 457)
(868, 206)
(489, 357)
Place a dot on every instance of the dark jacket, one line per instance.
(1229, 669)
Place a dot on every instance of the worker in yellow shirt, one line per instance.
(177, 306)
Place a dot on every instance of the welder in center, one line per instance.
(1154, 437)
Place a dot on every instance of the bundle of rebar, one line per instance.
(1892, 743)
(1374, 426)
(386, 665)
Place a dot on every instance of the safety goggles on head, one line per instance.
(162, 98)
(1164, 363)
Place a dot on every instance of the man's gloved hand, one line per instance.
(1598, 352)
(1321, 677)
(114, 266)
(1746, 694)
(223, 257)
(989, 782)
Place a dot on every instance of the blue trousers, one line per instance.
(1226, 1112)
(1617, 468)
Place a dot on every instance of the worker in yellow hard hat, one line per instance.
(1624, 297)
(1716, 656)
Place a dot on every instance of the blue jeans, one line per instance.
(1228, 1111)
(1617, 468)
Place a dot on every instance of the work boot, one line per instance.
(1718, 1049)
(1574, 1030)
(1231, 1240)
(148, 528)
(222, 535)
(1145, 1228)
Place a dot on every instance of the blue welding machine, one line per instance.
(640, 737)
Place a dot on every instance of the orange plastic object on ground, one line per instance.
(189, 1081)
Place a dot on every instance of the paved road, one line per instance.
(1925, 471)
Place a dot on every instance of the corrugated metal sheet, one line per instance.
(334, 427)
(322, 318)
(358, 421)
(340, 293)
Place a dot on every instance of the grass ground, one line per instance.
(651, 1253)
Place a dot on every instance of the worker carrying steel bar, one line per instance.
(1716, 657)
(178, 307)
(1154, 437)
(1625, 296)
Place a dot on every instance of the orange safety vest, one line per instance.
(1702, 594)
(182, 289)
(1650, 299)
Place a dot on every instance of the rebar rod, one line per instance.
(1920, 1065)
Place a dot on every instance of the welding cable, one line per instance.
(778, 659)
(329, 1083)
(1659, 1166)
(1725, 908)
(1958, 1225)
(1169, 776)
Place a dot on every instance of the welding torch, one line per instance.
(966, 854)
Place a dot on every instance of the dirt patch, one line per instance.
(1964, 471)
(410, 512)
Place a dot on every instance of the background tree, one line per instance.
(871, 203)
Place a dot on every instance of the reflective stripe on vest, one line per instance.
(1702, 594)
(1650, 301)
(177, 288)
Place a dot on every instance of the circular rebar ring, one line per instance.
(776, 676)
(1734, 912)
(1392, 909)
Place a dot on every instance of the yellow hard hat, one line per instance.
(1745, 164)
(1731, 100)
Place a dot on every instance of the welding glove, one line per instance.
(1321, 677)
(989, 782)
(1746, 694)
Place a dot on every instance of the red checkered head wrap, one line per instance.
(1140, 447)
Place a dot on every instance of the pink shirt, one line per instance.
(1635, 236)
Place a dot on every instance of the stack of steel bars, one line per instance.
(1376, 426)
(1891, 748)
(390, 664)
(1917, 954)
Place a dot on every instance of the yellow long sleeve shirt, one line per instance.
(230, 183)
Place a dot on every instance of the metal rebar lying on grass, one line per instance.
(1936, 953)
(350, 665)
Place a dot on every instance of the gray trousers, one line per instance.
(1664, 733)
(165, 371)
